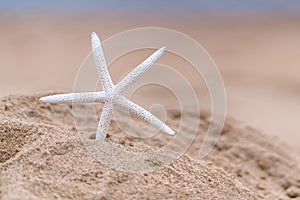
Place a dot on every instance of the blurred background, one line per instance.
(255, 44)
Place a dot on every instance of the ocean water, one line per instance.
(157, 6)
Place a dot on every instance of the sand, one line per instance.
(42, 157)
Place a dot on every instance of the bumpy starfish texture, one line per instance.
(111, 94)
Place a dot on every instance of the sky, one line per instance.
(246, 6)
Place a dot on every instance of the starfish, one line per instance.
(111, 95)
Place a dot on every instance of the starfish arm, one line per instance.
(133, 76)
(143, 114)
(101, 65)
(85, 97)
(104, 121)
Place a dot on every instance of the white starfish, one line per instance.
(111, 96)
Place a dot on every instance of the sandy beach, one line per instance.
(256, 157)
(43, 157)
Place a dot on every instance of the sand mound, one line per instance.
(42, 157)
